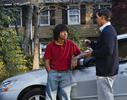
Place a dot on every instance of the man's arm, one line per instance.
(108, 44)
(74, 60)
(79, 56)
(47, 65)
(90, 43)
(93, 45)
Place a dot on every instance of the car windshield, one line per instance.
(122, 45)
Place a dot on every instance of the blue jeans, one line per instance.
(58, 80)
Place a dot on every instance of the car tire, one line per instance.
(34, 94)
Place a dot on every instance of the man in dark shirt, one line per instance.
(105, 51)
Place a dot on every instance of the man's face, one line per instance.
(99, 20)
(63, 35)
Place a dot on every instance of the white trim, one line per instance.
(93, 97)
(54, 1)
(32, 46)
(42, 46)
(85, 97)
(48, 19)
(20, 19)
(31, 30)
(29, 48)
(69, 23)
(105, 4)
(31, 36)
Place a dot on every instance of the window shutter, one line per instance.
(52, 16)
(83, 14)
(95, 8)
(64, 16)
(24, 15)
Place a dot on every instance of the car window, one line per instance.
(122, 46)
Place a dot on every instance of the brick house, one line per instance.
(80, 17)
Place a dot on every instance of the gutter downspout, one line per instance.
(31, 37)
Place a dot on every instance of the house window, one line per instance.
(18, 21)
(74, 15)
(45, 18)
(107, 5)
(100, 6)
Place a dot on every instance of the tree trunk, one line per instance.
(36, 40)
(27, 26)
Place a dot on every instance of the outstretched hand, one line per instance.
(87, 42)
(89, 53)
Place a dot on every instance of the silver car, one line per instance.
(31, 85)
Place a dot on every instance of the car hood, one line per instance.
(39, 76)
(31, 77)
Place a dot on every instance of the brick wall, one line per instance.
(88, 30)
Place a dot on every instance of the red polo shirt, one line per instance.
(60, 56)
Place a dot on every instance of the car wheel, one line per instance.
(35, 94)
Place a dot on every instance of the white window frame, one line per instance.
(42, 46)
(48, 19)
(50, 1)
(54, 1)
(105, 4)
(73, 14)
(20, 19)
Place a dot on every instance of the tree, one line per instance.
(36, 40)
(27, 30)
(119, 15)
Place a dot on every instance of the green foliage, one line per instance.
(76, 37)
(29, 61)
(7, 15)
(41, 63)
(73, 34)
(11, 54)
(2, 70)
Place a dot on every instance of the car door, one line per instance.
(84, 80)
(84, 84)
(120, 84)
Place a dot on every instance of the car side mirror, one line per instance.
(85, 62)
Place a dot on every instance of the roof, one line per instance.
(15, 1)
(50, 1)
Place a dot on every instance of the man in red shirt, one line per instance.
(58, 56)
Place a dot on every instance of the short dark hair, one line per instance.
(104, 12)
(58, 29)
